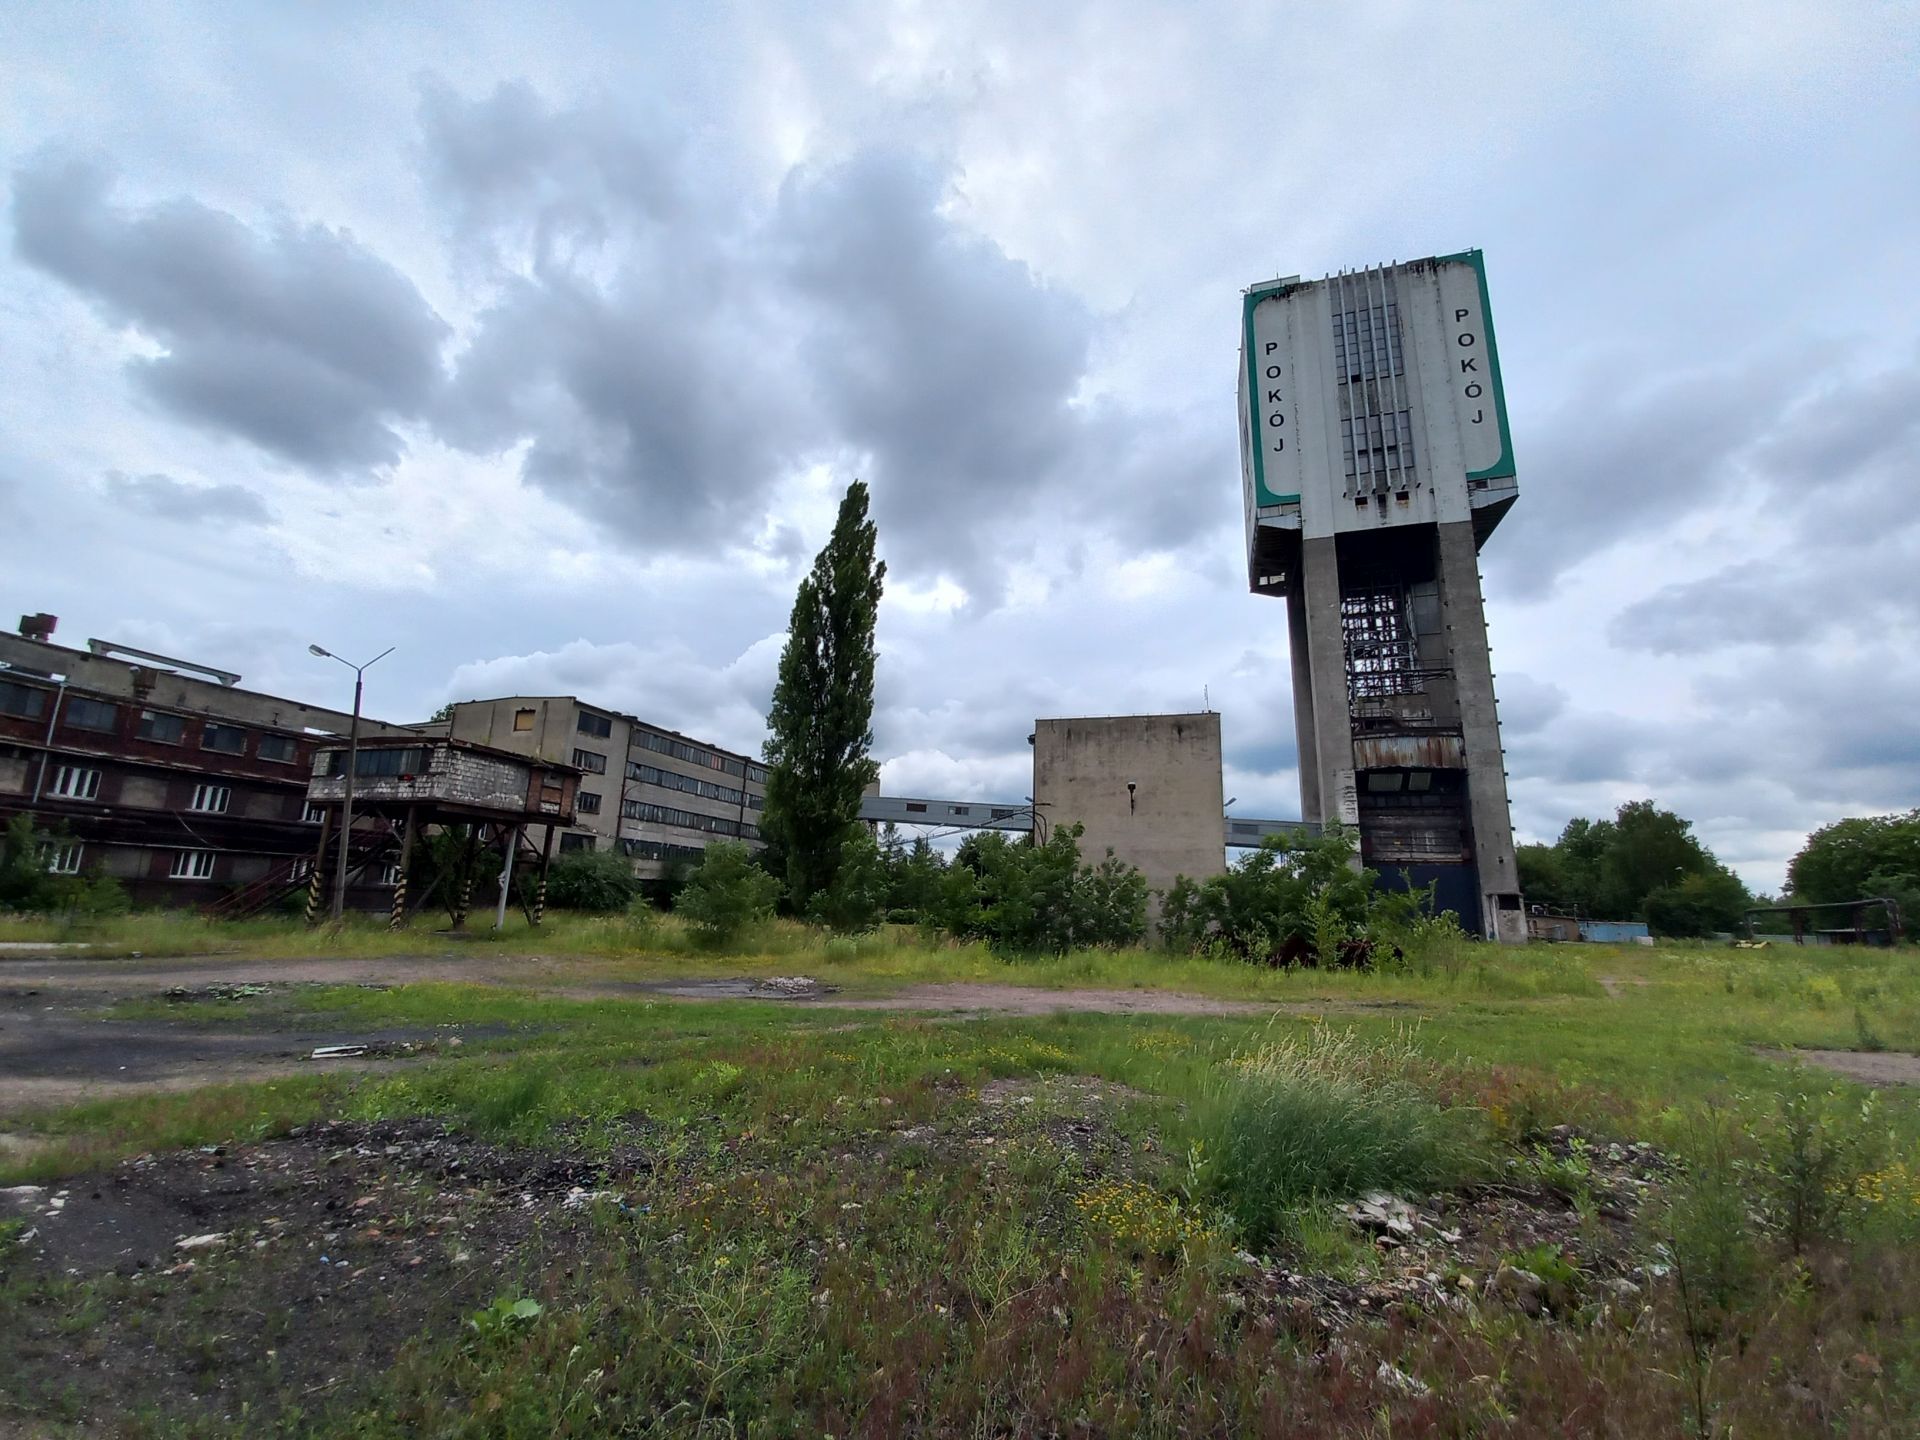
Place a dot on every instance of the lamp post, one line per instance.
(353, 764)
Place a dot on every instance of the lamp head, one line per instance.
(316, 650)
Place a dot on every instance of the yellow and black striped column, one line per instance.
(316, 882)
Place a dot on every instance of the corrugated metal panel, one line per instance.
(1409, 752)
(1613, 932)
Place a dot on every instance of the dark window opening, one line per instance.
(227, 739)
(26, 701)
(159, 726)
(278, 747)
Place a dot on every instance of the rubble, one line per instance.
(792, 987)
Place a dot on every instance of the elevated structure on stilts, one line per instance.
(403, 786)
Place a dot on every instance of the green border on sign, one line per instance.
(1262, 495)
(1503, 467)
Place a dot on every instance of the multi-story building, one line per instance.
(653, 794)
(161, 773)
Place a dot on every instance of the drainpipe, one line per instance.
(46, 753)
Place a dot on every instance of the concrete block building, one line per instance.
(1147, 787)
(656, 796)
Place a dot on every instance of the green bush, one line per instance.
(1299, 1120)
(727, 893)
(855, 899)
(1297, 895)
(1029, 899)
(26, 885)
(600, 882)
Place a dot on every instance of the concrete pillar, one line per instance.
(1327, 665)
(1303, 740)
(398, 919)
(1464, 615)
(315, 881)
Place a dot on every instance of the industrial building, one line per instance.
(1376, 461)
(653, 794)
(162, 773)
(1146, 787)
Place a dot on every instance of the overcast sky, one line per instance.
(539, 342)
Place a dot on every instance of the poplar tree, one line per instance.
(820, 726)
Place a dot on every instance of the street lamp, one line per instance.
(353, 761)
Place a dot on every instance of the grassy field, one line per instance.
(649, 1216)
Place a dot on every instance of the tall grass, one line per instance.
(1317, 1117)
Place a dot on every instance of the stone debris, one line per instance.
(1524, 1288)
(1393, 1378)
(1383, 1214)
(181, 993)
(792, 987)
(213, 1240)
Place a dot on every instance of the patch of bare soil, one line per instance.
(1869, 1067)
(52, 1056)
(276, 1272)
(990, 999)
(1617, 986)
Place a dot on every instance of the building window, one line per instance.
(62, 857)
(575, 842)
(85, 714)
(23, 700)
(302, 870)
(227, 739)
(588, 802)
(281, 748)
(70, 782)
(159, 726)
(756, 773)
(211, 798)
(599, 726)
(389, 874)
(313, 814)
(410, 760)
(590, 761)
(193, 865)
(523, 720)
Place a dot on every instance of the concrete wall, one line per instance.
(1169, 823)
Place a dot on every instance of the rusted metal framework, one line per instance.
(1856, 933)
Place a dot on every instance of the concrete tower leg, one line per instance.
(1466, 626)
(1327, 665)
(1303, 736)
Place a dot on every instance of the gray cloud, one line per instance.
(1629, 452)
(299, 339)
(165, 498)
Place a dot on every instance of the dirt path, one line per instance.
(1869, 1067)
(71, 980)
(55, 1049)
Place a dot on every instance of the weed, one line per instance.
(502, 1318)
(1297, 1120)
(1812, 1155)
(1865, 1037)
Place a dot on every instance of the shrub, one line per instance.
(1028, 899)
(1298, 897)
(1298, 1120)
(856, 897)
(727, 893)
(598, 881)
(1812, 1155)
